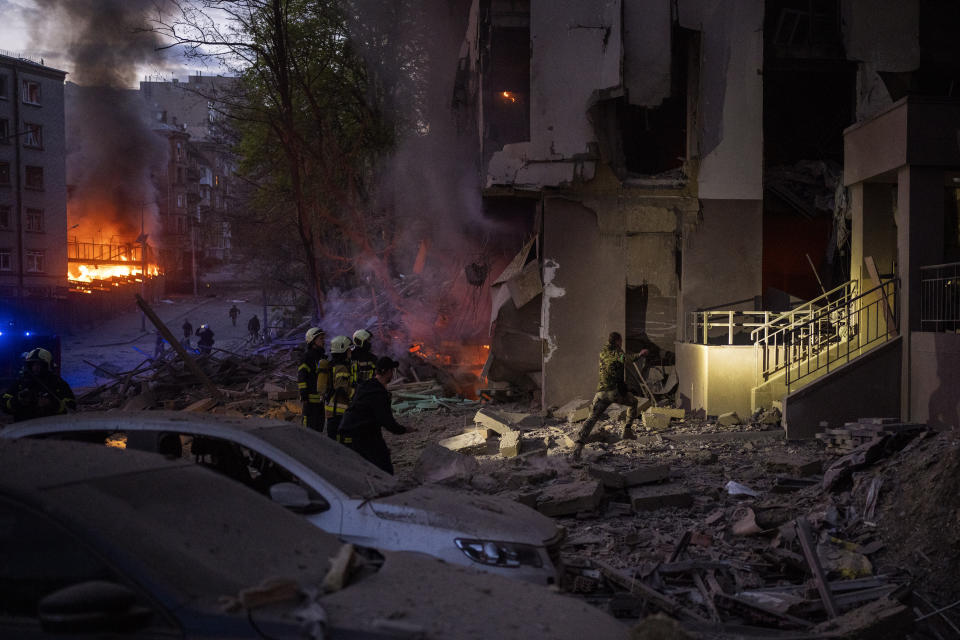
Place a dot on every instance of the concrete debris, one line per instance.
(728, 419)
(770, 416)
(653, 497)
(795, 467)
(570, 498)
(576, 410)
(510, 444)
(472, 443)
(674, 414)
(438, 464)
(653, 421)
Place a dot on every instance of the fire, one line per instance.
(464, 362)
(509, 95)
(84, 273)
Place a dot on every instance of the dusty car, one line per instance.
(333, 487)
(96, 542)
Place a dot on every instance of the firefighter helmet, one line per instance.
(340, 344)
(39, 355)
(313, 333)
(361, 337)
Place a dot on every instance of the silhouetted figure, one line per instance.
(206, 339)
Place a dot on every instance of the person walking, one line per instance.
(206, 339)
(187, 334)
(234, 314)
(612, 387)
(38, 391)
(253, 326)
(312, 377)
(369, 413)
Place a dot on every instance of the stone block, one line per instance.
(522, 420)
(677, 414)
(608, 477)
(439, 464)
(472, 443)
(655, 421)
(493, 420)
(510, 444)
(570, 498)
(659, 496)
(576, 410)
(728, 419)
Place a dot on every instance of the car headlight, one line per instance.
(500, 554)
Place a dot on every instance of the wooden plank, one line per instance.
(666, 603)
(810, 552)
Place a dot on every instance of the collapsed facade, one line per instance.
(686, 164)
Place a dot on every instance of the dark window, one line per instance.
(4, 173)
(5, 260)
(4, 216)
(4, 131)
(506, 67)
(4, 87)
(34, 177)
(35, 262)
(34, 220)
(32, 135)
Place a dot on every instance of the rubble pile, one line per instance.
(726, 528)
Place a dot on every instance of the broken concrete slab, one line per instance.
(504, 422)
(645, 474)
(655, 421)
(576, 410)
(795, 467)
(653, 497)
(676, 414)
(728, 419)
(510, 444)
(439, 464)
(471, 443)
(570, 498)
(522, 420)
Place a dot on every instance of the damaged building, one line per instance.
(761, 193)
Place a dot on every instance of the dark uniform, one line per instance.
(611, 388)
(360, 428)
(311, 369)
(206, 339)
(362, 365)
(338, 393)
(38, 394)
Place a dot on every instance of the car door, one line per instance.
(39, 558)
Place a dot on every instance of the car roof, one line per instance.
(338, 465)
(196, 535)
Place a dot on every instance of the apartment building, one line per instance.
(33, 194)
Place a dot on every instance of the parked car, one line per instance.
(96, 542)
(333, 487)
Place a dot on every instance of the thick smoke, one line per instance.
(111, 148)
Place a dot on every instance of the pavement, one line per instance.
(122, 343)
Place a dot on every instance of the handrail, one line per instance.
(807, 306)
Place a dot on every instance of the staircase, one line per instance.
(799, 346)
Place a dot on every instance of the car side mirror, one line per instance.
(96, 606)
(294, 497)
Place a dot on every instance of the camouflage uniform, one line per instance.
(612, 388)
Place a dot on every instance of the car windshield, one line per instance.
(337, 464)
(200, 534)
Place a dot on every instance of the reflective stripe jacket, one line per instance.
(361, 366)
(36, 396)
(339, 390)
(307, 374)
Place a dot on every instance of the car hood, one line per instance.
(485, 517)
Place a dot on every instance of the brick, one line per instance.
(570, 499)
(472, 443)
(659, 496)
(510, 444)
(655, 421)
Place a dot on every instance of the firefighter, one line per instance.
(339, 390)
(309, 374)
(38, 390)
(612, 387)
(362, 361)
(369, 412)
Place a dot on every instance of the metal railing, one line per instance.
(869, 320)
(816, 318)
(700, 323)
(940, 297)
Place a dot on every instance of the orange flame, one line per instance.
(509, 95)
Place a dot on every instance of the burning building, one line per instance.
(33, 211)
(689, 165)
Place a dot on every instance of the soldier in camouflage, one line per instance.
(612, 388)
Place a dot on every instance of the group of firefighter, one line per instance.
(346, 394)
